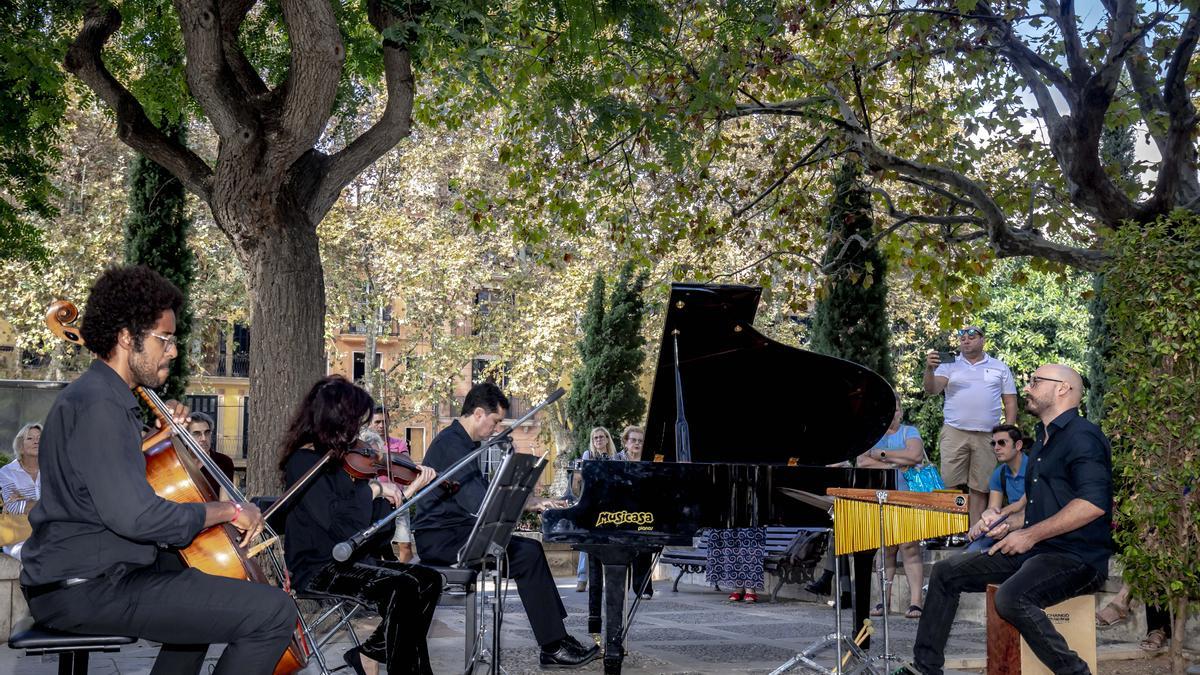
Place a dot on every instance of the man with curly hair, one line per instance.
(100, 559)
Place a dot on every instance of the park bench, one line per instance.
(780, 560)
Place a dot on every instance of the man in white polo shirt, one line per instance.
(978, 388)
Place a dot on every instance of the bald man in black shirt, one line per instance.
(1062, 546)
(98, 559)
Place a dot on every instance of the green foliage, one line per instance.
(32, 106)
(1152, 293)
(604, 390)
(156, 235)
(1117, 149)
(850, 320)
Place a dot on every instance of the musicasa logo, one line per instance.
(643, 519)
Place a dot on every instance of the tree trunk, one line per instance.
(287, 316)
(1179, 616)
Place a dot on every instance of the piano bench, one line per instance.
(72, 649)
(778, 542)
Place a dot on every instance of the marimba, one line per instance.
(859, 514)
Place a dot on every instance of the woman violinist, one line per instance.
(337, 503)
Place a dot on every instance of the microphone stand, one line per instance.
(343, 550)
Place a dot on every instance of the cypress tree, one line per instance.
(604, 390)
(850, 318)
(156, 232)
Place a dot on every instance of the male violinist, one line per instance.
(98, 560)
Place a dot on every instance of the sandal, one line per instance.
(735, 597)
(914, 612)
(1154, 641)
(877, 610)
(750, 596)
(1111, 615)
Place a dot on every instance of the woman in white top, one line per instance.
(602, 447)
(20, 484)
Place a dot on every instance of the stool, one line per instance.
(72, 648)
(460, 590)
(1008, 653)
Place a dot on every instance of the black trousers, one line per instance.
(405, 596)
(186, 610)
(1028, 584)
(526, 563)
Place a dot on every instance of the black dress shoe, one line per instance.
(570, 654)
(353, 658)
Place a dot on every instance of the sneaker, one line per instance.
(581, 586)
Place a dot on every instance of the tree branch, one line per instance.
(233, 14)
(209, 78)
(1179, 150)
(317, 55)
(803, 161)
(393, 125)
(85, 61)
(1003, 239)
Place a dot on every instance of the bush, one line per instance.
(1153, 313)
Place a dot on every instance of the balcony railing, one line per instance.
(217, 365)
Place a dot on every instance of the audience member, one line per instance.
(632, 439)
(402, 540)
(735, 560)
(899, 449)
(202, 428)
(978, 388)
(602, 448)
(1158, 619)
(20, 484)
(378, 426)
(1007, 485)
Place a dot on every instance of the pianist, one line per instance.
(442, 526)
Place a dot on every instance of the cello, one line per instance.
(174, 474)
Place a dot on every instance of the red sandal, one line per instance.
(750, 596)
(735, 597)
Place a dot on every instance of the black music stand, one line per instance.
(497, 518)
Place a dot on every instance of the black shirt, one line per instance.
(443, 510)
(98, 514)
(1075, 462)
(333, 508)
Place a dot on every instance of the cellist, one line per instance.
(98, 560)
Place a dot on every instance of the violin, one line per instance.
(360, 462)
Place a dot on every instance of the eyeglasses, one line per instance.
(1034, 380)
(969, 332)
(167, 340)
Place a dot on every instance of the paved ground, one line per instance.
(693, 631)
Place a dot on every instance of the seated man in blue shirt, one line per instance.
(1007, 485)
(1063, 546)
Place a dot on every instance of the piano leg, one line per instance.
(595, 594)
(615, 563)
(614, 615)
(863, 573)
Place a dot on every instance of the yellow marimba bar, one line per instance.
(907, 516)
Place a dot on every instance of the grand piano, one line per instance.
(734, 416)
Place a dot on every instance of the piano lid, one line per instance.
(749, 399)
